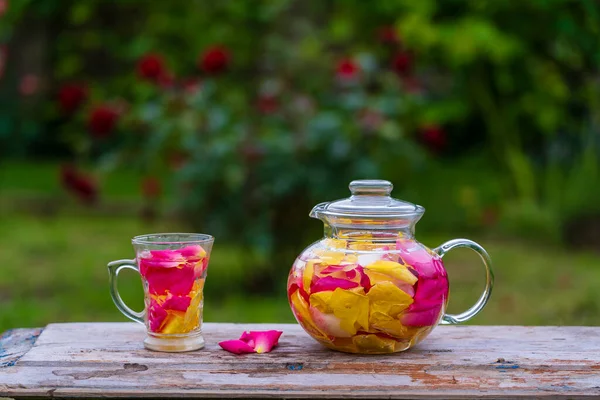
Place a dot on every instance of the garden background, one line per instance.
(234, 118)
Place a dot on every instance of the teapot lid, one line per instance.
(370, 200)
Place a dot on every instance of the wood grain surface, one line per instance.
(108, 360)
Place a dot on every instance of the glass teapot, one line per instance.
(369, 286)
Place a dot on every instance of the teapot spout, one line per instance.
(317, 211)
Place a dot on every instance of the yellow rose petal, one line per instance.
(387, 324)
(321, 300)
(374, 344)
(386, 307)
(387, 298)
(350, 258)
(392, 269)
(350, 307)
(309, 271)
(174, 323)
(301, 309)
(330, 257)
(192, 315)
(363, 245)
(387, 291)
(335, 243)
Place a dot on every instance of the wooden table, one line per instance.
(108, 360)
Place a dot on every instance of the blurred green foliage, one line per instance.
(312, 95)
(53, 270)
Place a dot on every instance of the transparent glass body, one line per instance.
(369, 286)
(173, 270)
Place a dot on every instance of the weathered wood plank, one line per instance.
(15, 343)
(108, 360)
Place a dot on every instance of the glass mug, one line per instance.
(173, 270)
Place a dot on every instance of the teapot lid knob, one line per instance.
(371, 187)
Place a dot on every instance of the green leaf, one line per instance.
(81, 12)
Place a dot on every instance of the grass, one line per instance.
(53, 269)
(53, 266)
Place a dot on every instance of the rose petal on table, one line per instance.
(236, 346)
(263, 341)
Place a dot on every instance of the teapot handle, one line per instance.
(489, 279)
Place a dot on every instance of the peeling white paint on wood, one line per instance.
(108, 360)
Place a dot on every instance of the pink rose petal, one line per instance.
(263, 341)
(177, 303)
(236, 346)
(426, 317)
(192, 251)
(199, 267)
(351, 274)
(156, 316)
(328, 283)
(147, 263)
(253, 342)
(167, 255)
(404, 286)
(330, 269)
(178, 281)
(432, 289)
(365, 282)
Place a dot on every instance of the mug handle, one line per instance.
(114, 268)
(489, 279)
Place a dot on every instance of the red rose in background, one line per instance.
(370, 120)
(3, 7)
(347, 69)
(151, 67)
(151, 187)
(78, 184)
(252, 153)
(190, 85)
(214, 60)
(30, 83)
(102, 121)
(177, 159)
(411, 84)
(3, 55)
(71, 96)
(434, 137)
(267, 104)
(166, 80)
(388, 35)
(402, 63)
